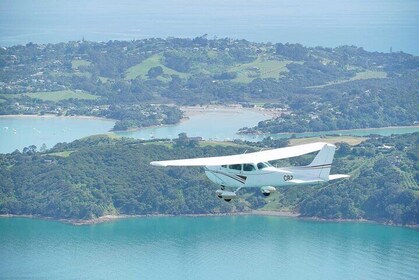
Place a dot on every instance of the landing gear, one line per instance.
(219, 193)
(267, 190)
(226, 195)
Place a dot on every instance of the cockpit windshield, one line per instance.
(262, 165)
(248, 167)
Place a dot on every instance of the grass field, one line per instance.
(351, 140)
(218, 143)
(103, 79)
(365, 75)
(61, 154)
(260, 68)
(76, 63)
(60, 95)
(74, 73)
(142, 68)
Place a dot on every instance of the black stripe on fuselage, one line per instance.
(314, 166)
(243, 177)
(234, 177)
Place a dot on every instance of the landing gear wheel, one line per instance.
(219, 196)
(266, 194)
(222, 187)
(227, 199)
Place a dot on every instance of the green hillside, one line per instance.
(142, 68)
(99, 175)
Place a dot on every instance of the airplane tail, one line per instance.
(322, 163)
(319, 169)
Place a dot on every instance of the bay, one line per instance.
(213, 124)
(17, 132)
(376, 25)
(229, 247)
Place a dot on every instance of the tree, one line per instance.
(184, 141)
(30, 150)
(43, 148)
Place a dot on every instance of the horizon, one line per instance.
(374, 26)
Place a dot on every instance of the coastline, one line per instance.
(333, 131)
(270, 213)
(190, 111)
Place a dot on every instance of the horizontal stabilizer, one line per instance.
(297, 181)
(338, 176)
(318, 180)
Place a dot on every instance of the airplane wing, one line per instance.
(255, 157)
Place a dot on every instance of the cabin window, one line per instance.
(224, 166)
(248, 167)
(262, 165)
(235, 166)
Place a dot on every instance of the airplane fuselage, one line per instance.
(255, 175)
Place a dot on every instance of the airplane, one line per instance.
(251, 170)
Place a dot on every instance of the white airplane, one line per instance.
(254, 170)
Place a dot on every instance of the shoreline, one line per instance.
(190, 111)
(333, 132)
(267, 213)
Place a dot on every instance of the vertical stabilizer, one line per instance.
(323, 161)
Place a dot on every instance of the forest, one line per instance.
(317, 88)
(101, 175)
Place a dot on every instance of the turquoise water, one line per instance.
(375, 25)
(243, 247)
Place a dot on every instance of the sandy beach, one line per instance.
(190, 111)
(110, 218)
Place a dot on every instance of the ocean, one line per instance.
(375, 25)
(226, 247)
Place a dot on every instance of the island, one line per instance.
(142, 83)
